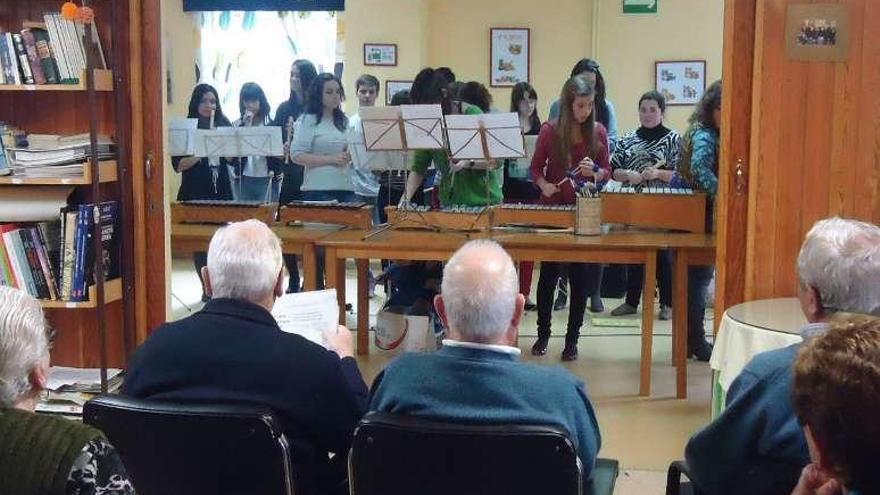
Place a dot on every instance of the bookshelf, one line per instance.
(97, 332)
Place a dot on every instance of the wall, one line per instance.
(404, 22)
(628, 46)
(815, 147)
(559, 36)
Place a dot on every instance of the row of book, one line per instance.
(55, 260)
(48, 155)
(49, 52)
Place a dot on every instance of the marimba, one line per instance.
(658, 207)
(354, 214)
(221, 212)
(461, 218)
(562, 216)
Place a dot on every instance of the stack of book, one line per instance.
(70, 388)
(49, 52)
(54, 260)
(48, 156)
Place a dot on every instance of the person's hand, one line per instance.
(814, 482)
(585, 168)
(548, 189)
(627, 176)
(339, 340)
(340, 159)
(650, 173)
(459, 165)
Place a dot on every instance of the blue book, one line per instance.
(81, 248)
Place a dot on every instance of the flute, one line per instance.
(211, 123)
(289, 139)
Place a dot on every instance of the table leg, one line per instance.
(363, 306)
(309, 267)
(334, 272)
(679, 322)
(648, 322)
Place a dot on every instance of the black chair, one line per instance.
(393, 454)
(171, 449)
(674, 484)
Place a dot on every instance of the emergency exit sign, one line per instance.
(640, 6)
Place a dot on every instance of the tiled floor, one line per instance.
(645, 434)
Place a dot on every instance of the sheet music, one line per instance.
(179, 140)
(381, 130)
(308, 314)
(503, 136)
(214, 142)
(423, 125)
(260, 141)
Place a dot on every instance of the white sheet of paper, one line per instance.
(423, 126)
(308, 314)
(214, 142)
(380, 128)
(503, 136)
(259, 141)
(179, 130)
(60, 376)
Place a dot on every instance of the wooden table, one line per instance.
(630, 247)
(295, 239)
(686, 256)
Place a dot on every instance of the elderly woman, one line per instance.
(45, 455)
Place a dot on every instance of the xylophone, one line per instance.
(354, 214)
(221, 212)
(562, 216)
(463, 218)
(659, 207)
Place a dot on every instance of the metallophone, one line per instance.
(461, 218)
(356, 214)
(221, 212)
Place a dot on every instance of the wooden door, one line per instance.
(814, 147)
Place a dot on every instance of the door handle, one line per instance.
(740, 177)
(148, 165)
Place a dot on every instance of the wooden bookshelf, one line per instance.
(103, 82)
(112, 292)
(107, 173)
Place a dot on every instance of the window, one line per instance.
(239, 47)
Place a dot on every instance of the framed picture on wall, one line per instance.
(508, 56)
(384, 54)
(681, 82)
(817, 32)
(394, 87)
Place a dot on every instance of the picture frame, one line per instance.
(380, 54)
(681, 82)
(392, 87)
(817, 32)
(509, 56)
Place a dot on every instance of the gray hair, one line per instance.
(244, 260)
(479, 291)
(24, 342)
(840, 258)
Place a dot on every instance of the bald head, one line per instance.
(480, 293)
(244, 262)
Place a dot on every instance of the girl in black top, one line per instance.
(204, 178)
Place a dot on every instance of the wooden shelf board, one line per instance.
(108, 173)
(103, 82)
(112, 292)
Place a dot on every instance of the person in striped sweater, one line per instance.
(649, 155)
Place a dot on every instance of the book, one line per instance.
(33, 263)
(68, 252)
(64, 65)
(20, 263)
(47, 57)
(24, 65)
(30, 46)
(80, 248)
(72, 47)
(43, 257)
(109, 225)
(10, 67)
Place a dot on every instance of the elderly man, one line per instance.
(756, 446)
(234, 351)
(476, 377)
(43, 454)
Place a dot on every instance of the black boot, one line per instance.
(699, 348)
(539, 348)
(570, 353)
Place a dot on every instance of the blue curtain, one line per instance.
(197, 5)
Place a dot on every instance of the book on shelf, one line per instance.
(24, 65)
(33, 57)
(55, 260)
(7, 59)
(48, 156)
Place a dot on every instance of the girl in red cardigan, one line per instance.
(572, 148)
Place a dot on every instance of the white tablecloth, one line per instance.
(763, 326)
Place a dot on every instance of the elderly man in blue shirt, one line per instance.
(757, 446)
(476, 377)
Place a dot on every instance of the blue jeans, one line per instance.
(342, 197)
(246, 188)
(698, 284)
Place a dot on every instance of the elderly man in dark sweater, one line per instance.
(757, 446)
(234, 351)
(477, 377)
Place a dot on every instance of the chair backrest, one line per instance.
(394, 454)
(171, 449)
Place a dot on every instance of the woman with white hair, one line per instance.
(44, 455)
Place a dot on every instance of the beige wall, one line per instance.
(559, 36)
(628, 46)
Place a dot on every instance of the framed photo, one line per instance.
(681, 82)
(508, 56)
(817, 32)
(384, 54)
(394, 87)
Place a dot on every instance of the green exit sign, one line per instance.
(640, 6)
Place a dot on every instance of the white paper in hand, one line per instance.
(308, 314)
